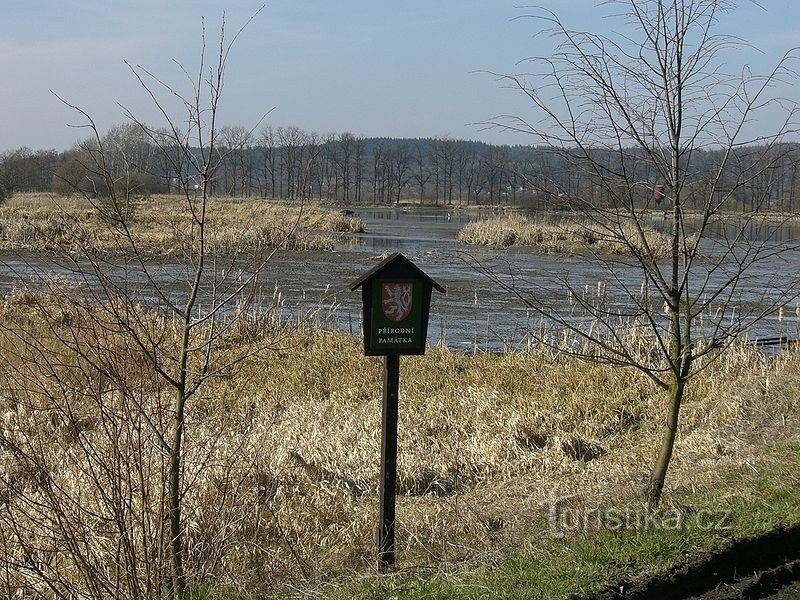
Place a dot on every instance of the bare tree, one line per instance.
(359, 165)
(380, 171)
(22, 170)
(421, 172)
(345, 150)
(650, 99)
(399, 168)
(444, 160)
(235, 144)
(269, 162)
(494, 164)
(293, 141)
(137, 342)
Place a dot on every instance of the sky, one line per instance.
(399, 68)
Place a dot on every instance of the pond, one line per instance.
(475, 314)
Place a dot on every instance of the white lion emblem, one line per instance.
(397, 300)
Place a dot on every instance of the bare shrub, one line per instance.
(109, 362)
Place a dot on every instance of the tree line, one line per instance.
(352, 169)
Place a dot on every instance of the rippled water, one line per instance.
(474, 313)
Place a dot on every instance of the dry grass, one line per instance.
(162, 225)
(282, 454)
(562, 238)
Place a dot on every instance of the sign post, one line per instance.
(396, 296)
(388, 482)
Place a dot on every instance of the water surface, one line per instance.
(475, 313)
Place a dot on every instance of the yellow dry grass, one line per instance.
(163, 225)
(282, 454)
(563, 237)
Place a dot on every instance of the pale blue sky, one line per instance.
(403, 68)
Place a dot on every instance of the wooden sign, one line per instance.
(396, 296)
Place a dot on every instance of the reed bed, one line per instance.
(282, 452)
(564, 237)
(162, 225)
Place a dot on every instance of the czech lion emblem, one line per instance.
(397, 299)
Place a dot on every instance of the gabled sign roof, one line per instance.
(395, 261)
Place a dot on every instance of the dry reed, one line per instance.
(563, 237)
(281, 454)
(162, 225)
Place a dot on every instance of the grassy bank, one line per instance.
(162, 225)
(560, 237)
(746, 501)
(282, 452)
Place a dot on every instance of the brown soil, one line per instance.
(764, 567)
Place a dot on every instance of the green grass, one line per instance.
(747, 502)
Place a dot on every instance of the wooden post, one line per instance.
(396, 296)
(388, 485)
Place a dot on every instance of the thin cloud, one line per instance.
(12, 52)
(780, 39)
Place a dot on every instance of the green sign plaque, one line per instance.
(396, 315)
(397, 297)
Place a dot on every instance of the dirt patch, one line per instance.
(578, 449)
(766, 566)
(530, 439)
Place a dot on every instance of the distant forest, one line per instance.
(290, 163)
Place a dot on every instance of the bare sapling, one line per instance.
(130, 343)
(654, 131)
